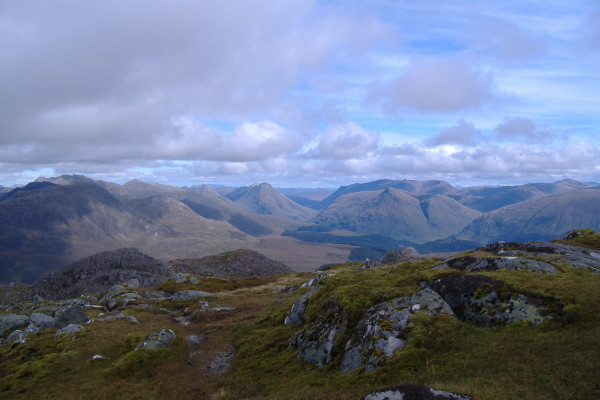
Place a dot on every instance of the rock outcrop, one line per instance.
(232, 264)
(413, 392)
(157, 340)
(316, 342)
(511, 263)
(382, 329)
(485, 301)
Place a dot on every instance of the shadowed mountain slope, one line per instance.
(540, 218)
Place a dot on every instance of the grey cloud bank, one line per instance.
(287, 92)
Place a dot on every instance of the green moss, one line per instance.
(140, 363)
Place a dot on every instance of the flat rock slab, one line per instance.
(185, 295)
(413, 392)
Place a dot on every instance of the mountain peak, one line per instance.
(262, 198)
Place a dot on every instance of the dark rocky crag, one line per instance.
(99, 272)
(233, 264)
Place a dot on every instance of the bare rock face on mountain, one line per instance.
(233, 264)
(99, 272)
(262, 198)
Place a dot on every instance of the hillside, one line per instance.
(508, 321)
(540, 218)
(411, 186)
(263, 199)
(44, 226)
(398, 214)
(486, 199)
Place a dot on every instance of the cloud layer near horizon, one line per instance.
(288, 92)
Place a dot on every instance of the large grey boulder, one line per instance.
(485, 301)
(316, 342)
(413, 392)
(38, 322)
(383, 327)
(10, 322)
(157, 340)
(70, 315)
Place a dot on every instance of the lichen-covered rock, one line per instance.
(186, 295)
(413, 392)
(485, 301)
(316, 342)
(71, 330)
(380, 332)
(511, 263)
(296, 315)
(158, 340)
(10, 322)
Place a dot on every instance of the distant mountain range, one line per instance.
(56, 221)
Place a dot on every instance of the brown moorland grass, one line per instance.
(558, 359)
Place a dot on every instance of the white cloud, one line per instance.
(434, 85)
(347, 141)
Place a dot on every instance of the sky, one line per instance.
(300, 93)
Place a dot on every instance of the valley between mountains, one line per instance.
(53, 222)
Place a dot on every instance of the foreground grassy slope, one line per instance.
(557, 359)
